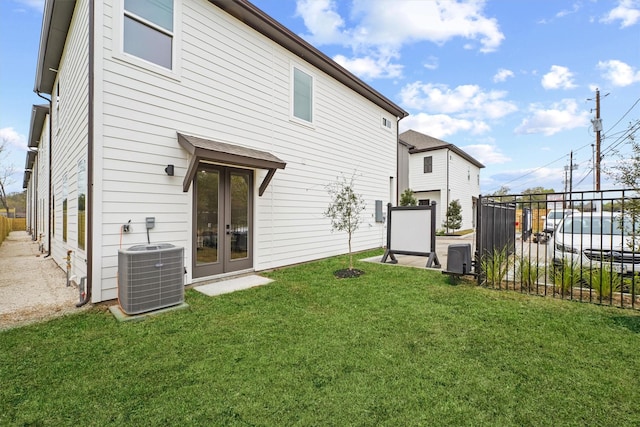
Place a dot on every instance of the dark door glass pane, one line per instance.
(207, 187)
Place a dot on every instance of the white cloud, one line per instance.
(13, 138)
(467, 101)
(370, 68)
(627, 12)
(558, 78)
(322, 20)
(486, 154)
(377, 28)
(437, 22)
(431, 63)
(618, 72)
(441, 125)
(502, 75)
(561, 116)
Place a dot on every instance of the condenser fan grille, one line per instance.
(150, 277)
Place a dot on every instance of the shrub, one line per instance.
(407, 198)
(604, 281)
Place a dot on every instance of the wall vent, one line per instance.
(150, 277)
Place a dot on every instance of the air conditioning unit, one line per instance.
(150, 277)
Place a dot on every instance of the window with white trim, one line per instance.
(148, 31)
(302, 95)
(386, 123)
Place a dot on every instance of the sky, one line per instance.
(512, 83)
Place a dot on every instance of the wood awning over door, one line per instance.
(228, 154)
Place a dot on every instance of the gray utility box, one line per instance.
(150, 277)
(459, 259)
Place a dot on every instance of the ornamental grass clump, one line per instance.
(494, 267)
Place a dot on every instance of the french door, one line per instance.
(223, 213)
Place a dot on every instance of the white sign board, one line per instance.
(411, 231)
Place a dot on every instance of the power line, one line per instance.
(624, 115)
(609, 149)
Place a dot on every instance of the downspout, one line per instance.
(89, 201)
(50, 176)
(447, 206)
(397, 162)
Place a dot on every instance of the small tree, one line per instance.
(407, 198)
(6, 170)
(627, 173)
(453, 220)
(344, 209)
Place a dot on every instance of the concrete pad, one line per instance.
(232, 285)
(121, 316)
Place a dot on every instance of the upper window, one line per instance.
(428, 164)
(302, 95)
(386, 123)
(148, 30)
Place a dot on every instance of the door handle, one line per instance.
(228, 229)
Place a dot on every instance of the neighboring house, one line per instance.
(437, 171)
(209, 117)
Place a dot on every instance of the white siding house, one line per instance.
(226, 130)
(437, 171)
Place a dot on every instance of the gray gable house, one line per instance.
(438, 171)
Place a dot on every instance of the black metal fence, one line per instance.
(582, 246)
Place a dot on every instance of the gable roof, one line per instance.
(420, 143)
(57, 19)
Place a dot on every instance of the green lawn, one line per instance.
(395, 347)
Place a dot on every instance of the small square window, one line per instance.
(386, 123)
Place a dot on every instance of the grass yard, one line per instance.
(395, 347)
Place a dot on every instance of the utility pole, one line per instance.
(597, 127)
(570, 170)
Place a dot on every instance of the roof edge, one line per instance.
(38, 116)
(56, 21)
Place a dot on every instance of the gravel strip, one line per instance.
(32, 287)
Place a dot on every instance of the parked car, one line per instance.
(553, 218)
(596, 240)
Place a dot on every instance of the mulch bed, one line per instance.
(347, 273)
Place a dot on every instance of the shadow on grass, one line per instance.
(632, 323)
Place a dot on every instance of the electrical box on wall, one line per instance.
(379, 214)
(151, 222)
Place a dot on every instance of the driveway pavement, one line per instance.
(442, 245)
(32, 287)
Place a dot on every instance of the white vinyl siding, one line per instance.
(234, 87)
(462, 183)
(70, 136)
(40, 175)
